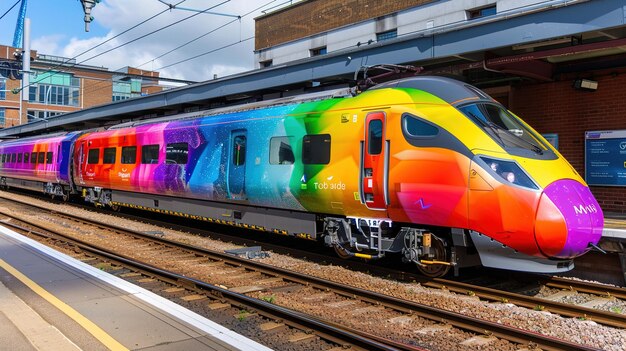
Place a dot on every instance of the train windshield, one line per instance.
(503, 127)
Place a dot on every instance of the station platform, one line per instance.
(50, 301)
(614, 226)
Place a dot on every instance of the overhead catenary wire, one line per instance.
(188, 59)
(156, 31)
(206, 53)
(63, 64)
(207, 33)
(84, 92)
(195, 39)
(9, 10)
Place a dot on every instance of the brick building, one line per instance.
(528, 65)
(58, 85)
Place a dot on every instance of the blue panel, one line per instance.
(605, 158)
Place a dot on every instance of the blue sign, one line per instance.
(553, 139)
(605, 157)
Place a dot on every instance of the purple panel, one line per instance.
(582, 213)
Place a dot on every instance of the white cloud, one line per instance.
(119, 15)
(48, 44)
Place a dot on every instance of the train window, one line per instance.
(129, 155)
(93, 156)
(49, 157)
(108, 158)
(239, 150)
(150, 154)
(41, 156)
(417, 127)
(19, 157)
(316, 149)
(176, 153)
(375, 138)
(2, 158)
(26, 157)
(281, 152)
(13, 158)
(33, 157)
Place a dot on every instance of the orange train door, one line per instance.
(374, 173)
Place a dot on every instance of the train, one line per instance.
(428, 169)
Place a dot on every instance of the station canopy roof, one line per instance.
(491, 51)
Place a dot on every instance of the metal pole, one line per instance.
(25, 65)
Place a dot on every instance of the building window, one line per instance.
(390, 34)
(125, 90)
(266, 63)
(54, 88)
(2, 116)
(316, 149)
(3, 87)
(319, 51)
(35, 115)
(481, 12)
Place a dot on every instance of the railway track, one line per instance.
(333, 333)
(569, 286)
(281, 281)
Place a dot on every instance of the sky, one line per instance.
(57, 28)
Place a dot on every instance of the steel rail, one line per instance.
(586, 287)
(603, 317)
(326, 329)
(455, 319)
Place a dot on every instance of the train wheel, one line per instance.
(436, 270)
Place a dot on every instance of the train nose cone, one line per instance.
(568, 219)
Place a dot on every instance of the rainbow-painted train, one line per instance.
(430, 169)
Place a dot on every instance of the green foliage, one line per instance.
(242, 315)
(270, 299)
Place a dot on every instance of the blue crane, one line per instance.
(19, 26)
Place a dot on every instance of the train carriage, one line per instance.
(40, 163)
(427, 167)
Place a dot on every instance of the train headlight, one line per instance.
(510, 172)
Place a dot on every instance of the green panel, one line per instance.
(135, 85)
(53, 78)
(121, 87)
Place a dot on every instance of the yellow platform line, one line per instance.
(88, 325)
